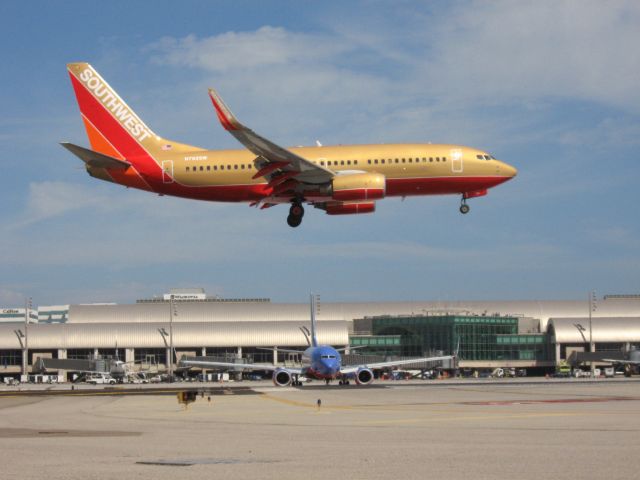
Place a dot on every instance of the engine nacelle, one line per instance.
(349, 208)
(358, 186)
(281, 377)
(364, 376)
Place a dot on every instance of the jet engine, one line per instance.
(358, 187)
(364, 376)
(281, 377)
(349, 208)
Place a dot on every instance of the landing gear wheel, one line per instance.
(293, 221)
(296, 212)
(464, 209)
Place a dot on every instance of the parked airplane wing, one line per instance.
(242, 366)
(394, 363)
(273, 160)
(624, 362)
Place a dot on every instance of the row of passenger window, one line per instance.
(408, 160)
(375, 161)
(328, 163)
(208, 168)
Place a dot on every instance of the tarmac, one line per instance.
(405, 430)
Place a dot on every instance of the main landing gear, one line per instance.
(464, 208)
(296, 212)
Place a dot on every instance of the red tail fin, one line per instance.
(113, 128)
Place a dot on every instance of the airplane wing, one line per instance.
(236, 366)
(394, 363)
(277, 164)
(280, 350)
(624, 362)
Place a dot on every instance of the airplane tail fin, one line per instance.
(314, 338)
(112, 126)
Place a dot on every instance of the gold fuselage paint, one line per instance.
(394, 161)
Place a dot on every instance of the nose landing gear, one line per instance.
(296, 212)
(464, 208)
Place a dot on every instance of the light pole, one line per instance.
(25, 355)
(163, 333)
(592, 308)
(581, 329)
(172, 313)
(20, 336)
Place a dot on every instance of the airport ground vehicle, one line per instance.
(101, 379)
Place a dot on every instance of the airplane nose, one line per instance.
(507, 170)
(510, 171)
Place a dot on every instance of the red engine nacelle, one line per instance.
(364, 376)
(350, 208)
(281, 377)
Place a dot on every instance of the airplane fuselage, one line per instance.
(322, 362)
(227, 175)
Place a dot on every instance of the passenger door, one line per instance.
(167, 171)
(456, 160)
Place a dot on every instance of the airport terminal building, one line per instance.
(535, 335)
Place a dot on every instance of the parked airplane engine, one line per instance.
(281, 377)
(350, 208)
(364, 376)
(358, 187)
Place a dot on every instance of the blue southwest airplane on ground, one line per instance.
(341, 180)
(319, 362)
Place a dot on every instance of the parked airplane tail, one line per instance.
(314, 338)
(113, 127)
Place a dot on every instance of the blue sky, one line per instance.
(549, 87)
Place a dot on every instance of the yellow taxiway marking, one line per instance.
(459, 418)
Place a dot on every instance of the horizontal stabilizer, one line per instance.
(95, 159)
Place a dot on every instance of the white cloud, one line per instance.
(267, 46)
(52, 199)
(614, 236)
(514, 51)
(430, 81)
(9, 296)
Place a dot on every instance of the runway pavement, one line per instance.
(444, 430)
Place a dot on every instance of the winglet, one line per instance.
(227, 119)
